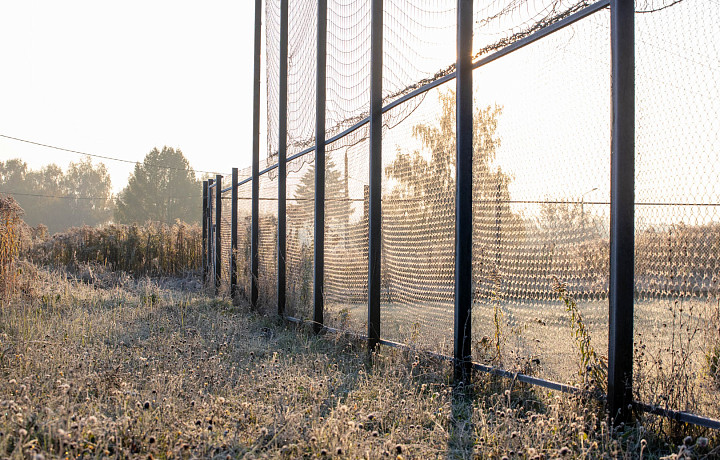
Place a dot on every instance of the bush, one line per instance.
(150, 249)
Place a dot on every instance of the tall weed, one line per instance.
(150, 249)
(10, 241)
(592, 368)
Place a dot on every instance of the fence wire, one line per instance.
(225, 237)
(418, 223)
(348, 63)
(419, 41)
(267, 236)
(272, 73)
(677, 224)
(346, 233)
(541, 169)
(300, 236)
(541, 173)
(302, 33)
(243, 236)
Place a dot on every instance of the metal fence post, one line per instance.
(319, 259)
(233, 234)
(375, 221)
(622, 210)
(211, 229)
(255, 193)
(204, 231)
(282, 155)
(218, 232)
(463, 192)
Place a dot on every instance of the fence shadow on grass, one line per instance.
(461, 439)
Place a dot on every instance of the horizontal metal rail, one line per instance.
(349, 130)
(423, 89)
(542, 33)
(268, 169)
(679, 416)
(476, 366)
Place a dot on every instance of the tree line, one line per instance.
(163, 188)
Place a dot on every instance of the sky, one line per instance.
(120, 78)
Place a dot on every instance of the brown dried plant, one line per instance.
(592, 368)
(150, 249)
(10, 240)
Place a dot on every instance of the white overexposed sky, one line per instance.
(119, 78)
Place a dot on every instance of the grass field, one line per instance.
(125, 368)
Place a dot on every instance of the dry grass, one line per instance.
(149, 249)
(140, 368)
(11, 230)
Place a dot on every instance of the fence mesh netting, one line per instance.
(348, 64)
(225, 237)
(677, 223)
(541, 175)
(272, 73)
(418, 224)
(300, 236)
(346, 232)
(541, 215)
(243, 236)
(267, 237)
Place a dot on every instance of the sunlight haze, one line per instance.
(117, 79)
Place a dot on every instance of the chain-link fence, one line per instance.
(549, 296)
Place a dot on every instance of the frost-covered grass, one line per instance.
(143, 368)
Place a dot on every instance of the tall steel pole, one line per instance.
(211, 229)
(255, 192)
(319, 259)
(622, 210)
(463, 192)
(282, 155)
(375, 174)
(218, 232)
(204, 231)
(233, 234)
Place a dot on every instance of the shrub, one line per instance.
(150, 249)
